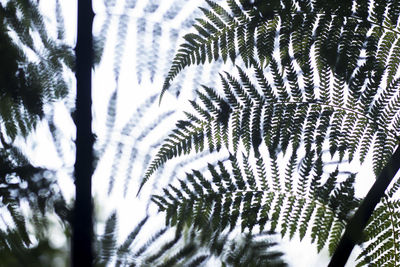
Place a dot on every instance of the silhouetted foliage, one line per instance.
(311, 76)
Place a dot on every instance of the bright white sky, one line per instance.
(131, 94)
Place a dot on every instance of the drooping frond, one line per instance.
(186, 248)
(239, 198)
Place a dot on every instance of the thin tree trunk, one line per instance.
(355, 228)
(82, 226)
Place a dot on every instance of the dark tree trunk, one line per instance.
(355, 228)
(82, 226)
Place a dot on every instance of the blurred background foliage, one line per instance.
(32, 75)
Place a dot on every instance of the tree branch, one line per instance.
(356, 226)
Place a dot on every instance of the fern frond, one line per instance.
(20, 223)
(108, 239)
(193, 247)
(247, 205)
(346, 128)
(381, 235)
(328, 77)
